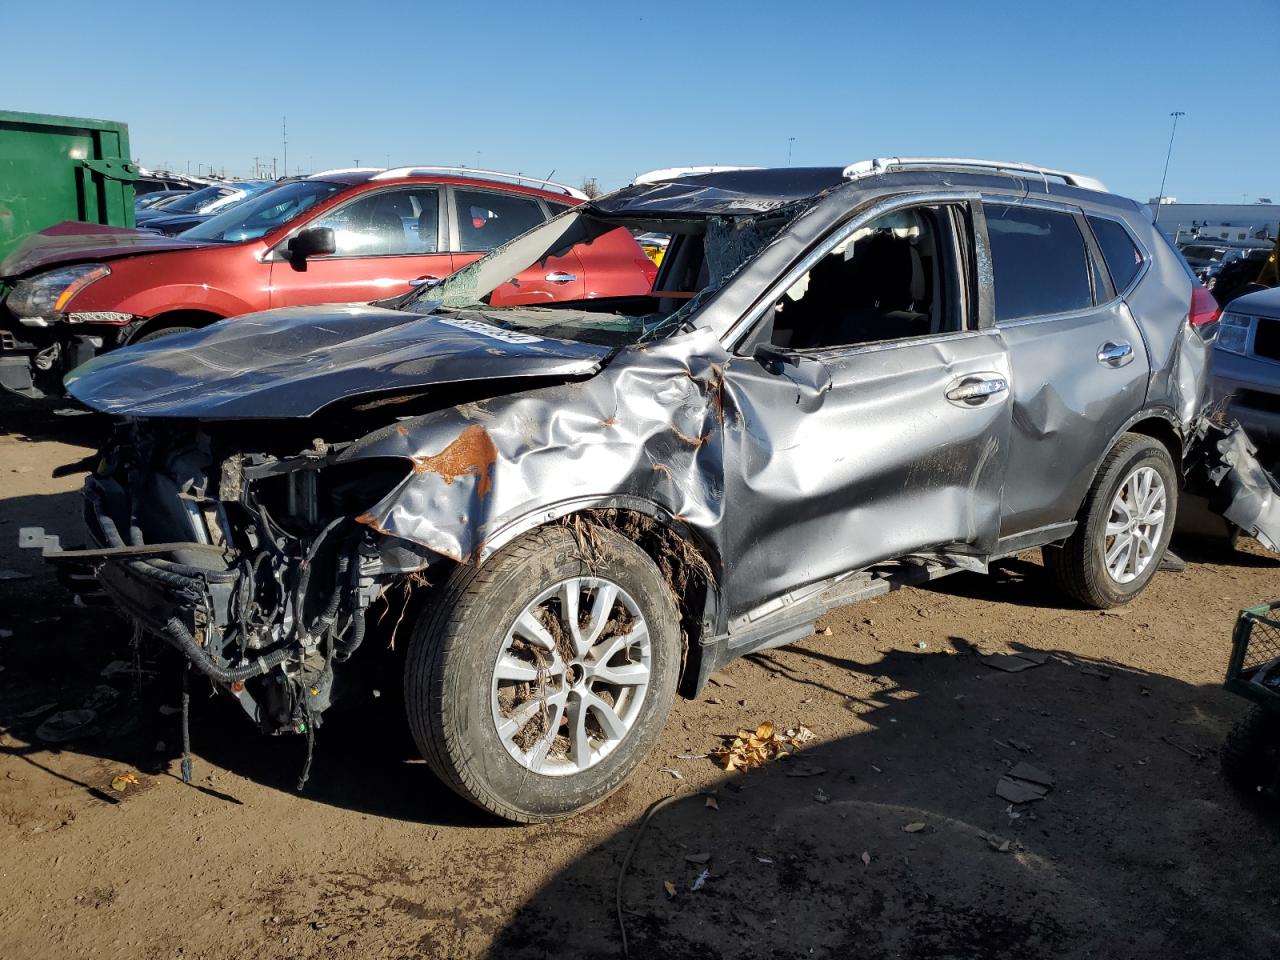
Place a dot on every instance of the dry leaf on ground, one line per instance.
(122, 781)
(754, 748)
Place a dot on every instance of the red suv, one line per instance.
(76, 290)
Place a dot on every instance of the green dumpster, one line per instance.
(62, 168)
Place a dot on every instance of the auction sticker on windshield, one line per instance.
(489, 330)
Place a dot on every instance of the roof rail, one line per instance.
(670, 173)
(329, 173)
(870, 168)
(516, 178)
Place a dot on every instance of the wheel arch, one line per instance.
(172, 318)
(1159, 423)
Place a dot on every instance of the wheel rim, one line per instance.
(571, 676)
(1134, 527)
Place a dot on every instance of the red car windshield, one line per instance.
(261, 214)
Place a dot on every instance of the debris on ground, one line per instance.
(698, 859)
(915, 827)
(36, 711)
(675, 774)
(754, 748)
(700, 881)
(1012, 662)
(1092, 672)
(1191, 751)
(123, 781)
(803, 768)
(712, 802)
(14, 575)
(866, 858)
(67, 725)
(670, 887)
(821, 796)
(1024, 784)
(720, 680)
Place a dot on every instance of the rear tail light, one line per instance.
(1204, 313)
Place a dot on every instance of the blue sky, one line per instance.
(609, 89)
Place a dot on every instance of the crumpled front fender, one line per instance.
(648, 429)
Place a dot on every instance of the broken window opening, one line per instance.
(895, 278)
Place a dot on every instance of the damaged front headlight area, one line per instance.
(241, 548)
(38, 300)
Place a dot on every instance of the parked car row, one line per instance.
(615, 476)
(341, 236)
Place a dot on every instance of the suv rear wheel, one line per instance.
(1123, 528)
(537, 683)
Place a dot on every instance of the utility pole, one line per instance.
(1172, 133)
(790, 143)
(273, 168)
(284, 143)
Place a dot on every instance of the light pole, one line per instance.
(1172, 133)
(790, 142)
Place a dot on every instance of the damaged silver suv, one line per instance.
(843, 381)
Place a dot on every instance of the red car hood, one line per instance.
(72, 242)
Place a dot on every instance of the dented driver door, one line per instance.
(846, 457)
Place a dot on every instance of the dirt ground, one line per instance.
(1138, 850)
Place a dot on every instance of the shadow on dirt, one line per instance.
(892, 842)
(1138, 849)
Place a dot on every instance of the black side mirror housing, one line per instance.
(772, 358)
(312, 242)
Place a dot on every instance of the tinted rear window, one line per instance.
(1124, 260)
(1039, 261)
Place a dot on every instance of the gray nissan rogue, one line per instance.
(844, 380)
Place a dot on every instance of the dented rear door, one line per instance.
(1079, 362)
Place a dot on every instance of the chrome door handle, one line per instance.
(1115, 353)
(558, 276)
(976, 389)
(427, 281)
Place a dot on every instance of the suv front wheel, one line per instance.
(537, 683)
(1123, 528)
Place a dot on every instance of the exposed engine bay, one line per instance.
(267, 576)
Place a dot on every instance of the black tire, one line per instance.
(1078, 566)
(453, 653)
(162, 332)
(1251, 752)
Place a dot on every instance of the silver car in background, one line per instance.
(1246, 367)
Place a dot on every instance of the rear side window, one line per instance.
(1124, 259)
(1039, 262)
(487, 220)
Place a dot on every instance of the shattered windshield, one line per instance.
(699, 255)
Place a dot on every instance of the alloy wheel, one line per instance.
(571, 676)
(1135, 524)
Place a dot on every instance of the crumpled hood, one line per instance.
(291, 362)
(72, 242)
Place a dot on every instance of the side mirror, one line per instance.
(312, 242)
(772, 358)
